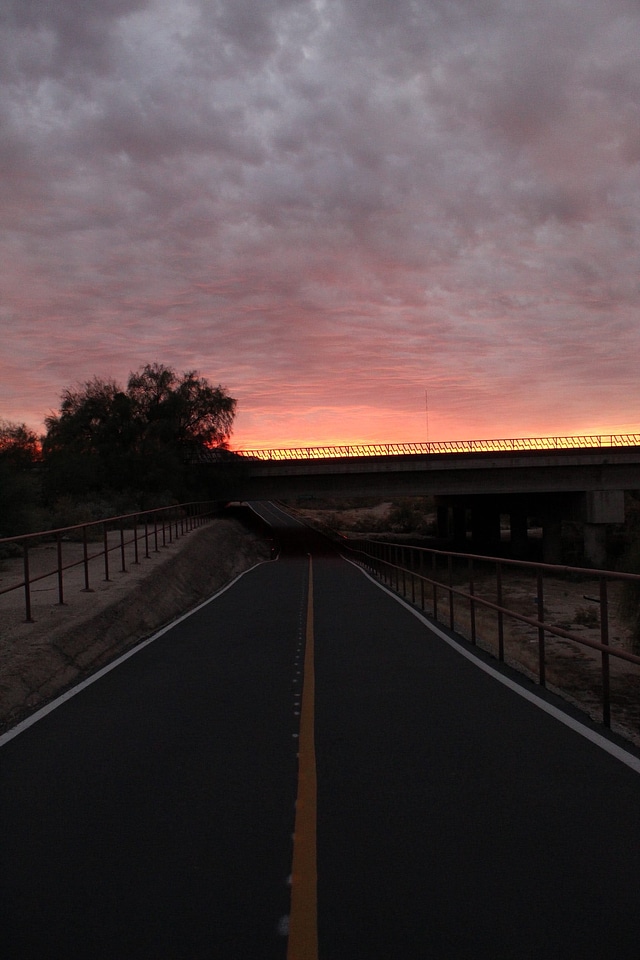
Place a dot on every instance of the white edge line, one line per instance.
(596, 738)
(54, 704)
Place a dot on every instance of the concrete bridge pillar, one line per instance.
(519, 533)
(485, 526)
(602, 507)
(595, 544)
(552, 538)
(442, 521)
(460, 526)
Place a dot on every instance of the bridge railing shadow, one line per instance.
(505, 606)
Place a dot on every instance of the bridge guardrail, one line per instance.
(514, 444)
(427, 575)
(127, 535)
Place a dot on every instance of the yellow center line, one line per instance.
(303, 920)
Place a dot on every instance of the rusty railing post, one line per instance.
(434, 571)
(27, 583)
(500, 614)
(105, 536)
(85, 560)
(540, 604)
(604, 639)
(60, 577)
(451, 610)
(123, 565)
(472, 605)
(136, 559)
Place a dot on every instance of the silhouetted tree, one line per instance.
(137, 439)
(19, 488)
(88, 443)
(19, 446)
(182, 412)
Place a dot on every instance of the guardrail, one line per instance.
(514, 444)
(428, 577)
(128, 535)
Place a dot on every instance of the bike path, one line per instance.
(151, 816)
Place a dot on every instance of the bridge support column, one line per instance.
(485, 527)
(602, 507)
(460, 526)
(442, 521)
(552, 539)
(519, 533)
(595, 544)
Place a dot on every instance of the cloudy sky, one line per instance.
(334, 208)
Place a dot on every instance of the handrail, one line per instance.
(514, 445)
(160, 527)
(401, 567)
(96, 523)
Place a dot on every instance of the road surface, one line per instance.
(301, 769)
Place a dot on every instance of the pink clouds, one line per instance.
(327, 207)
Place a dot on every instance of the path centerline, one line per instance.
(303, 922)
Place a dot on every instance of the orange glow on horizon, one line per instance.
(264, 428)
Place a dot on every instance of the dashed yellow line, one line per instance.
(303, 920)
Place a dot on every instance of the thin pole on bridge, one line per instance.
(426, 410)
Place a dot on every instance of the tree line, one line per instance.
(111, 450)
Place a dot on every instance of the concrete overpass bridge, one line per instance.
(476, 483)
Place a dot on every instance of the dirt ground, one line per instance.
(67, 642)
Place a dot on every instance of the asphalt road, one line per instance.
(152, 814)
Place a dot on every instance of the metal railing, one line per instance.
(432, 579)
(515, 444)
(129, 536)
